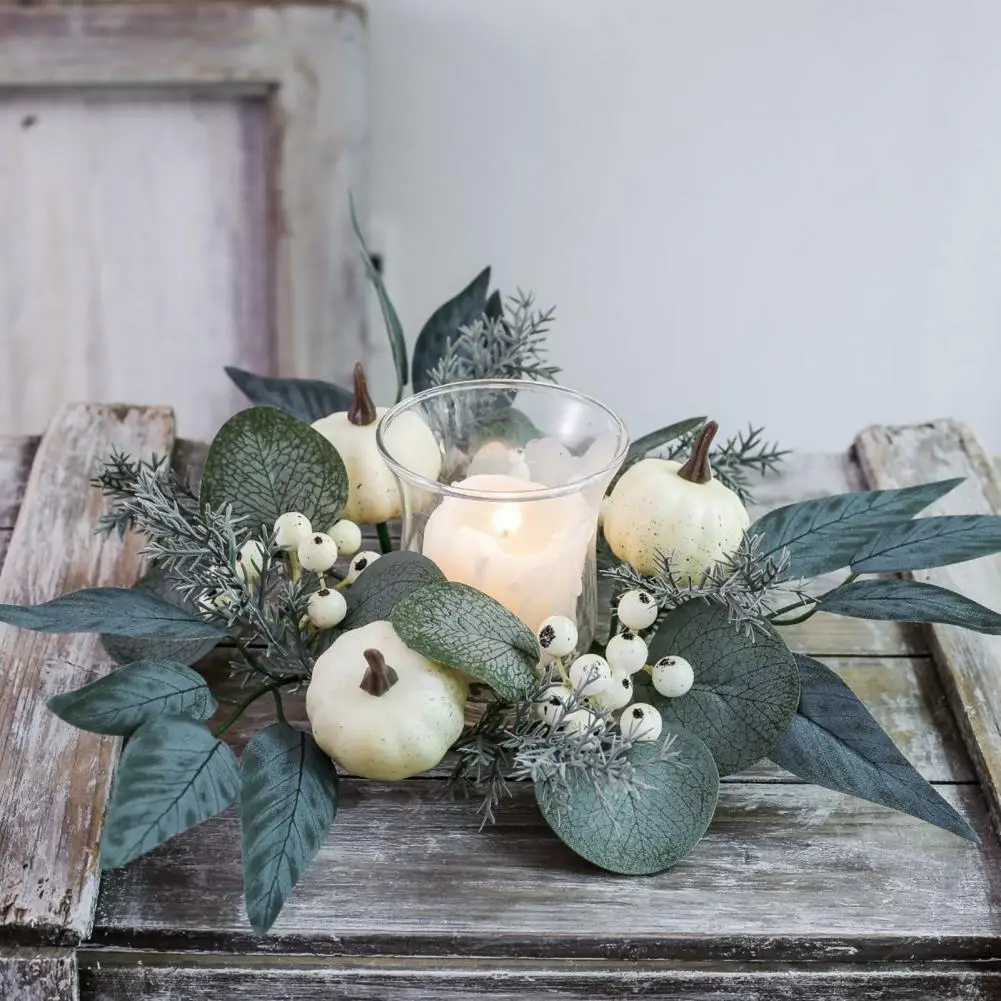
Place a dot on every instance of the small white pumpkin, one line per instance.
(381, 710)
(677, 510)
(373, 494)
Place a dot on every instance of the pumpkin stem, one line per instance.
(362, 408)
(379, 677)
(697, 468)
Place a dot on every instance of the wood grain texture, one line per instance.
(54, 779)
(38, 975)
(16, 456)
(970, 663)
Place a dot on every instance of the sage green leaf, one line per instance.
(121, 611)
(643, 833)
(265, 462)
(128, 649)
(135, 694)
(929, 542)
(461, 627)
(288, 800)
(640, 448)
(493, 309)
(909, 601)
(307, 399)
(746, 686)
(823, 534)
(834, 742)
(444, 325)
(384, 584)
(173, 775)
(394, 329)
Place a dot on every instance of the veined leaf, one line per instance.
(909, 601)
(133, 695)
(384, 584)
(834, 742)
(120, 611)
(173, 775)
(444, 326)
(307, 399)
(287, 803)
(823, 534)
(929, 542)
(656, 439)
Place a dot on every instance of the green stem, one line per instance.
(797, 619)
(279, 706)
(293, 566)
(815, 601)
(385, 542)
(254, 661)
(242, 707)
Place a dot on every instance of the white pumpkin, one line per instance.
(677, 510)
(373, 493)
(381, 710)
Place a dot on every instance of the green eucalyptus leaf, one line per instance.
(173, 774)
(265, 462)
(121, 611)
(445, 324)
(909, 601)
(133, 695)
(637, 834)
(384, 584)
(746, 686)
(640, 448)
(458, 626)
(307, 399)
(929, 542)
(834, 742)
(823, 534)
(288, 800)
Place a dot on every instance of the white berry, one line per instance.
(347, 535)
(291, 528)
(326, 608)
(582, 721)
(318, 552)
(589, 673)
(616, 693)
(558, 636)
(641, 722)
(551, 704)
(626, 652)
(637, 610)
(360, 562)
(673, 677)
(250, 562)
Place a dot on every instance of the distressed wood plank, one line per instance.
(54, 779)
(16, 456)
(38, 975)
(785, 872)
(970, 663)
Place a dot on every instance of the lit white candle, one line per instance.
(527, 554)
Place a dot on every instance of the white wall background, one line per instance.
(785, 211)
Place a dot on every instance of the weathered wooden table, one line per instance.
(795, 892)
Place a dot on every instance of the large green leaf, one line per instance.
(135, 694)
(909, 601)
(121, 611)
(444, 326)
(834, 742)
(463, 628)
(173, 775)
(656, 439)
(746, 686)
(823, 534)
(384, 584)
(307, 399)
(929, 542)
(644, 833)
(265, 462)
(288, 801)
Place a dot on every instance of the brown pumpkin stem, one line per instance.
(697, 469)
(362, 408)
(379, 677)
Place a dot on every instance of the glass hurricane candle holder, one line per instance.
(514, 509)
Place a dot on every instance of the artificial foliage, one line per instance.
(219, 571)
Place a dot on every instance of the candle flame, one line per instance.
(506, 519)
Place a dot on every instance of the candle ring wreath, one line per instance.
(642, 660)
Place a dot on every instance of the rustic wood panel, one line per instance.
(38, 975)
(53, 778)
(16, 456)
(970, 663)
(407, 980)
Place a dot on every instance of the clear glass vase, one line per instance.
(514, 509)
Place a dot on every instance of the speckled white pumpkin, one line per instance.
(401, 732)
